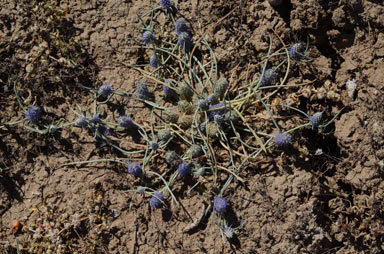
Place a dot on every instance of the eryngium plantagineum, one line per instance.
(185, 41)
(105, 90)
(171, 157)
(33, 113)
(135, 169)
(212, 99)
(221, 87)
(148, 37)
(168, 92)
(186, 91)
(181, 26)
(125, 122)
(81, 121)
(283, 140)
(166, 4)
(156, 200)
(154, 145)
(142, 90)
(196, 151)
(184, 169)
(217, 109)
(154, 61)
(315, 119)
(164, 135)
(220, 204)
(268, 77)
(203, 104)
(228, 232)
(95, 119)
(295, 51)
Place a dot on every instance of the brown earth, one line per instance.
(326, 199)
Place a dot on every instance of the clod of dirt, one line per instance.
(351, 88)
(15, 227)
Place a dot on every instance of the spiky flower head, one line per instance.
(154, 145)
(283, 140)
(221, 87)
(185, 121)
(165, 4)
(184, 169)
(141, 190)
(268, 77)
(212, 129)
(104, 131)
(231, 116)
(217, 109)
(295, 51)
(81, 121)
(105, 90)
(142, 90)
(196, 151)
(186, 91)
(168, 92)
(181, 26)
(164, 135)
(219, 119)
(203, 104)
(315, 119)
(154, 61)
(220, 204)
(96, 119)
(172, 158)
(156, 200)
(125, 122)
(212, 99)
(148, 37)
(185, 106)
(33, 113)
(185, 41)
(170, 116)
(202, 126)
(135, 169)
(228, 232)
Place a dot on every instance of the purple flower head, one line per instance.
(181, 26)
(217, 109)
(125, 122)
(154, 61)
(103, 130)
(184, 169)
(81, 121)
(283, 140)
(202, 126)
(148, 37)
(156, 200)
(135, 169)
(203, 104)
(164, 135)
(268, 77)
(165, 4)
(154, 145)
(105, 90)
(220, 204)
(212, 99)
(142, 90)
(168, 92)
(295, 51)
(185, 41)
(196, 151)
(228, 232)
(33, 113)
(96, 119)
(315, 119)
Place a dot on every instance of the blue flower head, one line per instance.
(81, 121)
(184, 169)
(212, 99)
(165, 4)
(33, 113)
(268, 77)
(220, 205)
(283, 140)
(181, 26)
(135, 169)
(148, 37)
(217, 109)
(295, 51)
(156, 200)
(103, 130)
(185, 41)
(203, 104)
(105, 90)
(228, 232)
(96, 119)
(154, 145)
(142, 90)
(315, 119)
(154, 61)
(125, 122)
(168, 92)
